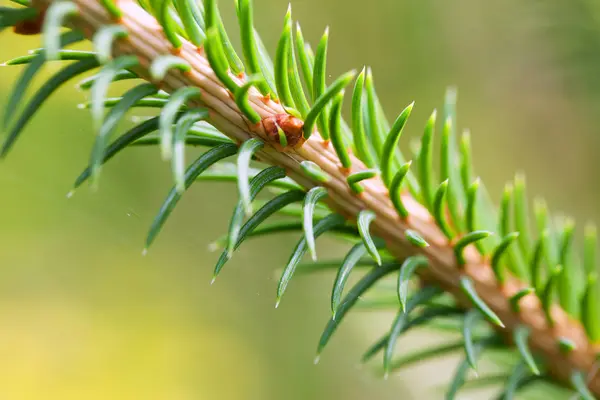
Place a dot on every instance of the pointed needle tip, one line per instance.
(317, 359)
(212, 281)
(165, 154)
(94, 185)
(70, 194)
(214, 246)
(145, 252)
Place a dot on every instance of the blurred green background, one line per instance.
(84, 316)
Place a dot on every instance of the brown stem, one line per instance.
(147, 41)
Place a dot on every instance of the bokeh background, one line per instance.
(84, 316)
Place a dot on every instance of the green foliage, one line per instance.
(194, 170)
(247, 151)
(391, 144)
(365, 218)
(352, 259)
(183, 126)
(56, 14)
(499, 253)
(396, 189)
(249, 47)
(425, 162)
(350, 300)
(406, 275)
(460, 375)
(578, 380)
(542, 259)
(321, 104)
(521, 335)
(161, 65)
(361, 142)
(169, 114)
(314, 172)
(12, 16)
(114, 116)
(415, 239)
(548, 293)
(42, 95)
(282, 61)
(439, 209)
(465, 241)
(330, 222)
(469, 290)
(23, 82)
(515, 381)
(356, 177)
(516, 298)
(335, 131)
(241, 98)
(270, 208)
(313, 196)
(421, 297)
(104, 39)
(258, 182)
(469, 322)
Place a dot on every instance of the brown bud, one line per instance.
(30, 26)
(291, 126)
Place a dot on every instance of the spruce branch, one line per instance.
(194, 74)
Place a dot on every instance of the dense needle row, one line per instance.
(542, 258)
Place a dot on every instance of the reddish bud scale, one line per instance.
(31, 26)
(291, 126)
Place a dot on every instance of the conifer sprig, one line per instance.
(434, 230)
